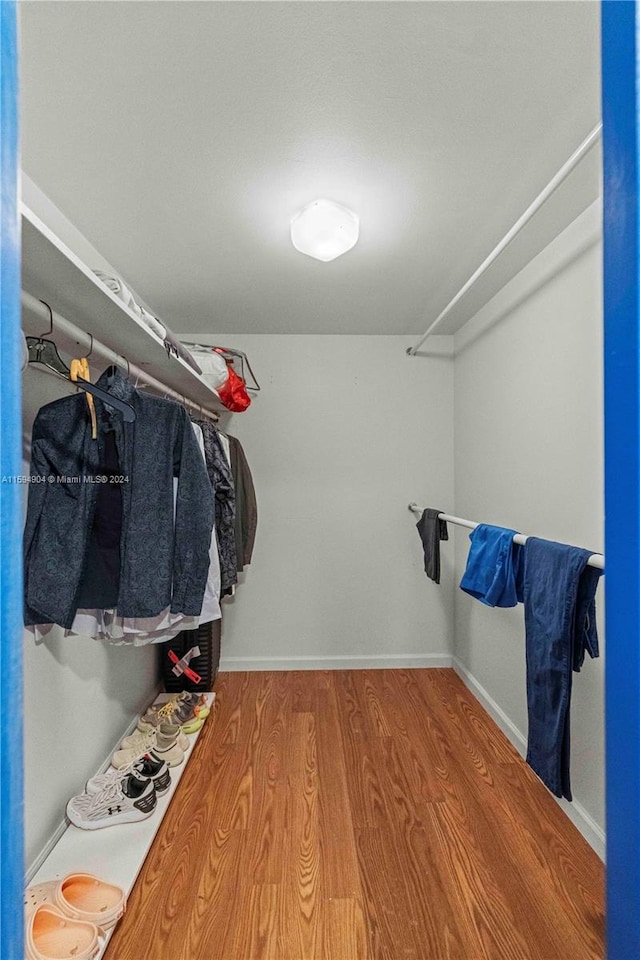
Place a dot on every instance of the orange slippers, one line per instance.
(66, 917)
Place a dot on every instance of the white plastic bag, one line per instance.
(214, 368)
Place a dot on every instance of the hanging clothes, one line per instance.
(107, 625)
(432, 530)
(100, 623)
(225, 505)
(492, 566)
(226, 446)
(211, 600)
(558, 589)
(163, 565)
(246, 505)
(100, 581)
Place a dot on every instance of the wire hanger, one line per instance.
(45, 352)
(242, 357)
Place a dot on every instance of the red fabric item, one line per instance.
(233, 393)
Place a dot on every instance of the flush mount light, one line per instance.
(324, 230)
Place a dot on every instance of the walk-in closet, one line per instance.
(304, 555)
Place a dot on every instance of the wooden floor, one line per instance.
(361, 815)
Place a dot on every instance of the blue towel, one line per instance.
(492, 566)
(560, 624)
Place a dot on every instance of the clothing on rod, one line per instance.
(246, 504)
(100, 581)
(492, 566)
(219, 471)
(211, 600)
(432, 530)
(104, 623)
(108, 626)
(558, 589)
(164, 563)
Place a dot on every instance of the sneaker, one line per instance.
(174, 712)
(164, 748)
(123, 801)
(147, 767)
(197, 701)
(169, 730)
(135, 750)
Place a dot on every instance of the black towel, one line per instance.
(432, 531)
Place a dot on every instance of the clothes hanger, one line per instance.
(232, 353)
(244, 359)
(79, 368)
(45, 352)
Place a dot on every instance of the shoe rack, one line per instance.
(116, 853)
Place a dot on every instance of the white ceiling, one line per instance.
(181, 137)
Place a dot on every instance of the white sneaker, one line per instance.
(169, 730)
(164, 748)
(125, 756)
(122, 801)
(147, 767)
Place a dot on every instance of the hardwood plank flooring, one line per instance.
(361, 815)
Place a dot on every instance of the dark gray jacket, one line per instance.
(246, 504)
(163, 563)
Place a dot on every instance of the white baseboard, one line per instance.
(507, 725)
(593, 834)
(375, 662)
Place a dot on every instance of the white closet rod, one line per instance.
(550, 188)
(38, 309)
(595, 560)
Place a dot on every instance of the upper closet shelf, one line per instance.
(52, 272)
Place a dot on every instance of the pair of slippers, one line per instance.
(65, 919)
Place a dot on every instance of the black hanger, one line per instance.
(45, 352)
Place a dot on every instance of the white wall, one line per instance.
(80, 696)
(345, 432)
(529, 455)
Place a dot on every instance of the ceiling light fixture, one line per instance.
(324, 230)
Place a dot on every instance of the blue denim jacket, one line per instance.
(164, 563)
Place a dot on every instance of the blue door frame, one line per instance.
(622, 474)
(11, 836)
(620, 71)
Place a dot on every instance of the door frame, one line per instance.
(622, 473)
(11, 770)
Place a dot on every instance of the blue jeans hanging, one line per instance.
(559, 611)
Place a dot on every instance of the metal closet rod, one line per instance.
(550, 188)
(595, 560)
(40, 310)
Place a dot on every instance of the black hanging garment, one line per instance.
(432, 531)
(246, 504)
(100, 582)
(225, 504)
